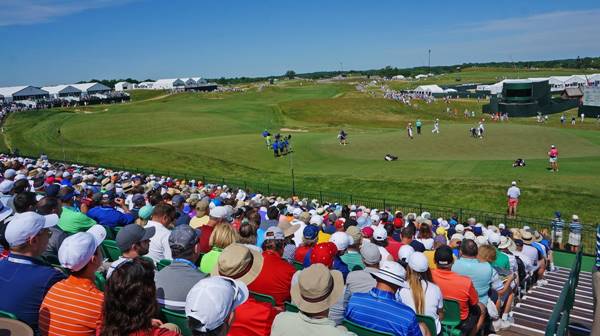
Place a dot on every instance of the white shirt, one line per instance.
(531, 252)
(433, 300)
(427, 242)
(385, 255)
(159, 243)
(513, 192)
(299, 234)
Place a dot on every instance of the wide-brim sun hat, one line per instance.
(317, 289)
(505, 242)
(239, 262)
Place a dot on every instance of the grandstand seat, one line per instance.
(263, 298)
(362, 331)
(163, 263)
(65, 271)
(111, 250)
(9, 326)
(290, 307)
(357, 268)
(429, 322)
(298, 266)
(148, 259)
(9, 315)
(451, 319)
(179, 319)
(100, 281)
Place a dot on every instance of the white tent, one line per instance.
(168, 84)
(92, 88)
(122, 86)
(22, 93)
(429, 89)
(398, 77)
(60, 91)
(420, 76)
(575, 80)
(145, 85)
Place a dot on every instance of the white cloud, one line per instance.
(25, 12)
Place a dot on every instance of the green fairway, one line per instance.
(218, 134)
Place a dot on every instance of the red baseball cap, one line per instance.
(323, 253)
(339, 223)
(367, 232)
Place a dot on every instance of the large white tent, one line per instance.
(59, 91)
(122, 86)
(92, 88)
(168, 84)
(429, 89)
(22, 93)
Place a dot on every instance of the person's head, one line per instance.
(222, 236)
(443, 257)
(164, 213)
(342, 241)
(407, 234)
(390, 276)
(20, 186)
(178, 201)
(273, 213)
(310, 235)
(418, 271)
(274, 240)
(317, 289)
(25, 201)
(370, 255)
(129, 299)
(425, 231)
(247, 233)
(28, 233)
(239, 262)
(356, 236)
(66, 195)
(519, 244)
(81, 252)
(486, 253)
(324, 253)
(379, 237)
(211, 303)
(201, 208)
(468, 248)
(49, 205)
(134, 240)
(217, 215)
(184, 244)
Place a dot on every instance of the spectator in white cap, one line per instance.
(316, 290)
(63, 312)
(513, 193)
(342, 241)
(6, 187)
(404, 253)
(210, 305)
(421, 294)
(24, 279)
(217, 215)
(297, 220)
(379, 309)
(380, 240)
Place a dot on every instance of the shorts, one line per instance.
(557, 236)
(553, 160)
(574, 239)
(513, 202)
(470, 322)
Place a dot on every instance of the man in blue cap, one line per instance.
(557, 230)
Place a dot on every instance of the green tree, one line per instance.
(290, 74)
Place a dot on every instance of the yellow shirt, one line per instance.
(198, 222)
(430, 260)
(323, 237)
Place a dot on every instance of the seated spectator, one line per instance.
(425, 236)
(393, 246)
(201, 217)
(74, 306)
(144, 214)
(211, 303)
(276, 275)
(341, 240)
(175, 281)
(133, 241)
(352, 257)
(248, 235)
(289, 246)
(162, 220)
(301, 218)
(459, 288)
(501, 260)
(379, 309)
(47, 206)
(315, 292)
(252, 318)
(381, 241)
(501, 289)
(130, 302)
(24, 279)
(217, 216)
(309, 240)
(480, 273)
(421, 294)
(222, 236)
(408, 235)
(72, 220)
(107, 214)
(178, 201)
(438, 241)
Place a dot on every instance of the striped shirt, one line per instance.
(575, 227)
(71, 307)
(558, 224)
(380, 311)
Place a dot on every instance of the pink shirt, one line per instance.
(553, 152)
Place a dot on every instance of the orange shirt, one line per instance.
(72, 307)
(456, 287)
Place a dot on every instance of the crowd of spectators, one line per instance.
(376, 268)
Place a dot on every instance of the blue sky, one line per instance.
(60, 41)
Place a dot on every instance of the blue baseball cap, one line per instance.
(310, 232)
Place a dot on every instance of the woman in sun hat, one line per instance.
(422, 295)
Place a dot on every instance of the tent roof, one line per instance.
(10, 90)
(574, 92)
(431, 88)
(86, 86)
(58, 88)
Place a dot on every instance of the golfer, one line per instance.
(342, 137)
(436, 127)
(409, 130)
(481, 128)
(513, 194)
(418, 124)
(553, 158)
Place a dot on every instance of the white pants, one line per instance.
(435, 130)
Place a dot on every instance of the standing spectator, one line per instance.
(74, 306)
(553, 157)
(133, 241)
(175, 281)
(468, 265)
(217, 216)
(24, 279)
(421, 294)
(418, 124)
(210, 305)
(130, 302)
(575, 234)
(276, 276)
(162, 220)
(222, 236)
(558, 225)
(201, 217)
(513, 194)
(106, 213)
(379, 309)
(178, 201)
(460, 288)
(317, 289)
(72, 220)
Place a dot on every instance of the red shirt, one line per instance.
(275, 278)
(253, 318)
(456, 287)
(393, 247)
(301, 252)
(204, 237)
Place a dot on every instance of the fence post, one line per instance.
(383, 204)
(320, 196)
(268, 189)
(460, 215)
(420, 208)
(245, 187)
(351, 201)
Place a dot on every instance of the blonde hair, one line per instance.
(416, 287)
(486, 253)
(223, 235)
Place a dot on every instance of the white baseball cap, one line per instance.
(296, 212)
(494, 238)
(459, 228)
(375, 219)
(514, 183)
(218, 212)
(418, 262)
(76, 250)
(316, 219)
(352, 214)
(341, 240)
(380, 234)
(405, 252)
(502, 226)
(213, 299)
(26, 225)
(392, 272)
(6, 186)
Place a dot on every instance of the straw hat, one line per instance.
(317, 289)
(239, 263)
(287, 228)
(526, 237)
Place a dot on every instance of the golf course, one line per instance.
(219, 134)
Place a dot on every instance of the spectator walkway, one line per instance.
(531, 315)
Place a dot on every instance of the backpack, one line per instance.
(521, 270)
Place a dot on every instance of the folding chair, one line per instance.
(179, 319)
(362, 331)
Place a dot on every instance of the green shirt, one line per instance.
(209, 260)
(501, 260)
(352, 259)
(73, 221)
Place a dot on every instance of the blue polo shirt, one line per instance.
(24, 282)
(380, 311)
(479, 272)
(109, 216)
